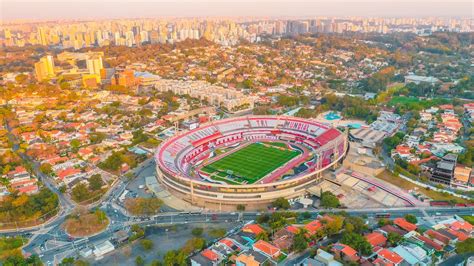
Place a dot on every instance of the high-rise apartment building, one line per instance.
(44, 68)
(94, 64)
(42, 36)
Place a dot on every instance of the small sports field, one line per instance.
(251, 163)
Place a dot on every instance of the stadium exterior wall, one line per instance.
(254, 196)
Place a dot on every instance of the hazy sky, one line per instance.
(77, 9)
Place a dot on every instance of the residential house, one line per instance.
(345, 252)
(267, 249)
(70, 175)
(386, 256)
(200, 260)
(376, 239)
(390, 228)
(253, 258)
(283, 238)
(313, 227)
(28, 186)
(322, 258)
(404, 224)
(254, 229)
(413, 255)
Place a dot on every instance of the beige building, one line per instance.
(44, 69)
(462, 175)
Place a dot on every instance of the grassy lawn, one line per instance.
(469, 219)
(413, 100)
(402, 183)
(252, 162)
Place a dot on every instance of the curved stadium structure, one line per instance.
(250, 160)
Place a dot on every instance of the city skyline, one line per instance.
(51, 10)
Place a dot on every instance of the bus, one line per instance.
(382, 215)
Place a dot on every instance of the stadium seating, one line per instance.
(177, 153)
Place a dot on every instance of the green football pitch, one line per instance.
(250, 163)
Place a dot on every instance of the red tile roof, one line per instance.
(313, 226)
(438, 236)
(68, 172)
(465, 226)
(227, 242)
(404, 224)
(430, 242)
(376, 239)
(267, 248)
(22, 183)
(390, 256)
(253, 228)
(292, 229)
(348, 251)
(211, 255)
(460, 235)
(28, 189)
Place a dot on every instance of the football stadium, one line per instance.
(249, 160)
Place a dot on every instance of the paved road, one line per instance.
(122, 222)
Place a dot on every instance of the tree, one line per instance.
(384, 221)
(95, 182)
(262, 236)
(146, 244)
(139, 137)
(357, 242)
(466, 246)
(67, 262)
(300, 242)
(18, 208)
(46, 168)
(356, 224)
(170, 258)
(156, 263)
(393, 238)
(197, 232)
(75, 144)
(101, 216)
(139, 261)
(333, 224)
(16, 260)
(217, 232)
(80, 192)
(137, 232)
(281, 203)
(411, 218)
(306, 215)
(113, 162)
(143, 206)
(63, 189)
(263, 218)
(329, 200)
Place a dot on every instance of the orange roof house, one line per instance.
(267, 248)
(390, 257)
(464, 226)
(404, 224)
(376, 239)
(459, 234)
(209, 254)
(345, 252)
(292, 229)
(253, 229)
(68, 172)
(313, 226)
